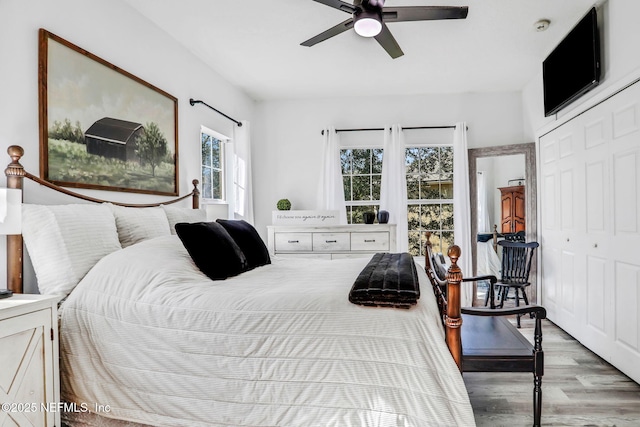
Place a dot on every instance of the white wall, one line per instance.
(619, 38)
(119, 34)
(287, 144)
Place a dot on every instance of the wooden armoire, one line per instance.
(512, 202)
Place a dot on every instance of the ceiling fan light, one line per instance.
(368, 24)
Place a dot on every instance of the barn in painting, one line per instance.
(113, 138)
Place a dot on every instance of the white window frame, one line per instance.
(351, 203)
(223, 164)
(428, 201)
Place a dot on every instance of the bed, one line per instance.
(147, 333)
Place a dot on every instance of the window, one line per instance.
(240, 186)
(430, 197)
(429, 174)
(361, 177)
(212, 165)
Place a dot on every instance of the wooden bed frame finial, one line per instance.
(195, 195)
(15, 171)
(453, 318)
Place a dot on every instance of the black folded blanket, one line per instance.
(389, 280)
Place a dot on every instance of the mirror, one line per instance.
(499, 177)
(503, 169)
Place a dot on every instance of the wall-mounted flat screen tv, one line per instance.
(573, 68)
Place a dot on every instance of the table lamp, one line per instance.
(10, 218)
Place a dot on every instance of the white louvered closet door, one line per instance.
(590, 205)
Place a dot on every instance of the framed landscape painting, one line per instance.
(102, 127)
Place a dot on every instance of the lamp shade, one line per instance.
(217, 210)
(10, 211)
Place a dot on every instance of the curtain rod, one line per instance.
(197, 101)
(407, 128)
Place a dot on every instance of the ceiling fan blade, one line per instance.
(337, 4)
(333, 31)
(423, 13)
(388, 42)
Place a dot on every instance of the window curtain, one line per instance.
(243, 194)
(393, 189)
(462, 209)
(484, 224)
(331, 189)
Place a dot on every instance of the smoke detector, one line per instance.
(542, 25)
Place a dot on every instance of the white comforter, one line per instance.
(149, 335)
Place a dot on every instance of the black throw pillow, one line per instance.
(249, 241)
(212, 249)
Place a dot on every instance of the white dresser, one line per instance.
(29, 378)
(331, 242)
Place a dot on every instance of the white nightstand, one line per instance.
(29, 375)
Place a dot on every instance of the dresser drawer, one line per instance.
(331, 242)
(370, 241)
(293, 242)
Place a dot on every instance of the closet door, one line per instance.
(590, 205)
(625, 237)
(562, 242)
(599, 280)
(550, 235)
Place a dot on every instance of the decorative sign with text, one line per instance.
(298, 217)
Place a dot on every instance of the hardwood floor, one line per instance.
(578, 388)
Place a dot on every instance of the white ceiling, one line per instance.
(255, 45)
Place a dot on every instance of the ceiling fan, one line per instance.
(369, 18)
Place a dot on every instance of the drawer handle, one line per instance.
(370, 240)
(331, 241)
(293, 241)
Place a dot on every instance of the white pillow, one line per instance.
(137, 224)
(66, 241)
(176, 215)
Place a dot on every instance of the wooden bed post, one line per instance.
(453, 318)
(195, 195)
(14, 172)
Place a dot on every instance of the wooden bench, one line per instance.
(483, 339)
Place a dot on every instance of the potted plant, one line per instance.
(283, 205)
